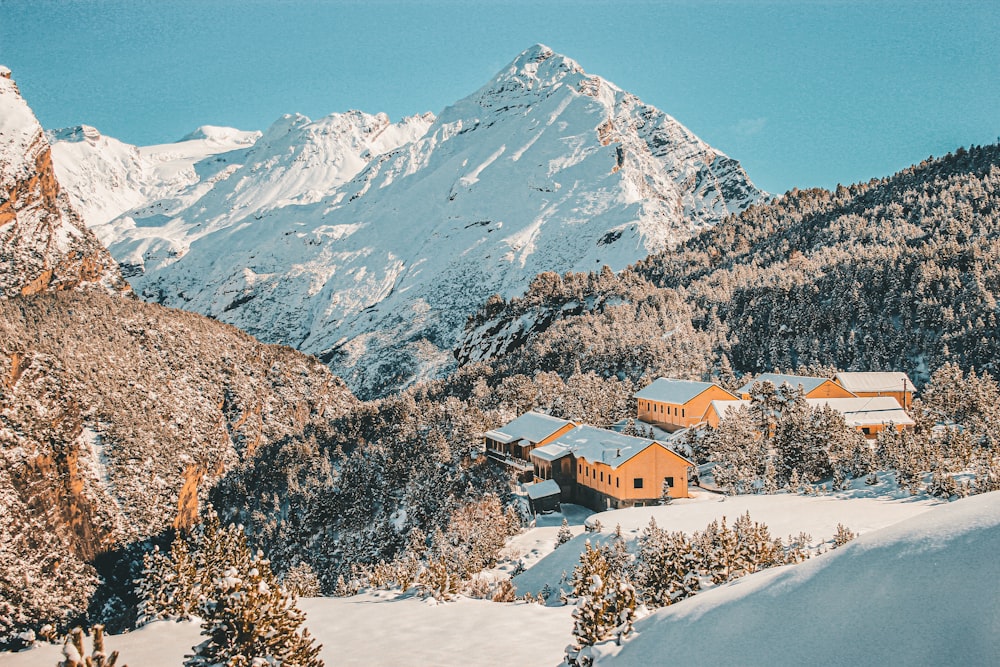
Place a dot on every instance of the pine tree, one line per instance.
(667, 567)
(606, 601)
(564, 535)
(250, 620)
(75, 652)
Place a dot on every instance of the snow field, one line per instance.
(919, 586)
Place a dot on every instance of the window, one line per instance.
(617, 479)
(579, 467)
(669, 481)
(602, 475)
(682, 412)
(637, 483)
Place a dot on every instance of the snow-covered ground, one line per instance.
(918, 586)
(922, 592)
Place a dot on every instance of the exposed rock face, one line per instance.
(43, 243)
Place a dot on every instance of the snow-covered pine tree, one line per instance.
(301, 581)
(250, 620)
(666, 568)
(170, 585)
(606, 601)
(564, 535)
(75, 652)
(757, 550)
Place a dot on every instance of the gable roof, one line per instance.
(542, 489)
(871, 382)
(866, 410)
(598, 445)
(669, 390)
(808, 382)
(531, 426)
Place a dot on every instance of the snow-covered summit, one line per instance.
(370, 242)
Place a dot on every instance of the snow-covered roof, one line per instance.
(597, 445)
(777, 379)
(669, 390)
(871, 382)
(542, 489)
(531, 426)
(721, 407)
(866, 410)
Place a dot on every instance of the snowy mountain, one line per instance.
(44, 245)
(369, 244)
(105, 177)
(117, 417)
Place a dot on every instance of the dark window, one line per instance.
(669, 481)
(617, 479)
(637, 482)
(602, 475)
(682, 412)
(579, 467)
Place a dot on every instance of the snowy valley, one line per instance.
(186, 452)
(868, 600)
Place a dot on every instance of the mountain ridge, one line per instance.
(543, 168)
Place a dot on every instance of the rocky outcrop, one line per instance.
(44, 245)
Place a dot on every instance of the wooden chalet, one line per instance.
(675, 404)
(511, 443)
(603, 469)
(868, 414)
(891, 384)
(812, 387)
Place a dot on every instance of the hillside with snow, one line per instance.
(923, 591)
(917, 586)
(370, 243)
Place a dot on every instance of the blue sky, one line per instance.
(802, 93)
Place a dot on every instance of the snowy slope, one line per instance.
(44, 244)
(784, 514)
(105, 177)
(916, 590)
(544, 168)
(921, 592)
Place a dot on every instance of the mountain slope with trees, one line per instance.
(897, 273)
(116, 418)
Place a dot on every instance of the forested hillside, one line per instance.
(116, 417)
(898, 273)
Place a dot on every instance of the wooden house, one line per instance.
(512, 442)
(892, 384)
(868, 414)
(676, 404)
(603, 469)
(717, 410)
(812, 387)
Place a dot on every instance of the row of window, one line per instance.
(659, 407)
(637, 482)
